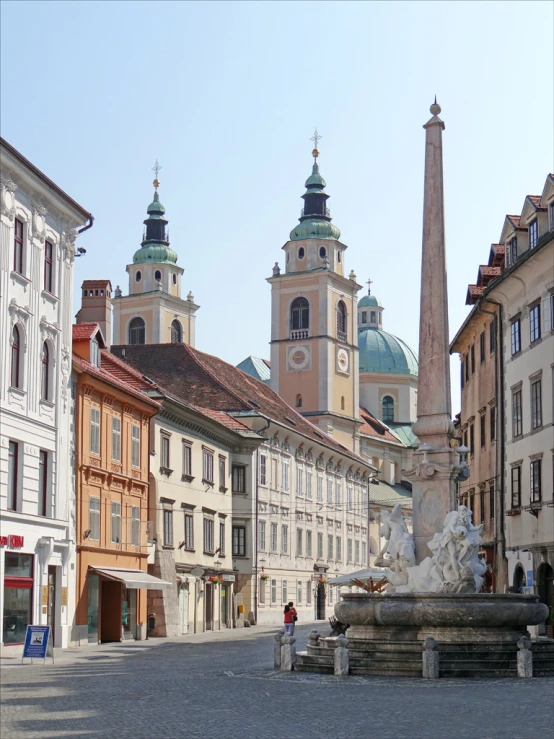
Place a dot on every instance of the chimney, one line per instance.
(96, 306)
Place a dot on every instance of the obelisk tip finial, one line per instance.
(435, 108)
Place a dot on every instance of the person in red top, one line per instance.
(294, 615)
(289, 622)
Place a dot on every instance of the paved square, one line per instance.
(222, 686)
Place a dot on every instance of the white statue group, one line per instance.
(454, 567)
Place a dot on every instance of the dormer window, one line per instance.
(533, 234)
(95, 353)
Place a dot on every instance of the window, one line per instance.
(209, 535)
(357, 552)
(299, 401)
(338, 548)
(329, 492)
(95, 353)
(18, 591)
(168, 527)
(222, 474)
(483, 426)
(137, 331)
(516, 487)
(373, 316)
(164, 455)
(42, 483)
(116, 522)
(349, 550)
(536, 405)
(95, 430)
(492, 336)
(342, 402)
(13, 475)
(319, 489)
(298, 542)
(176, 332)
(298, 592)
(207, 466)
(517, 420)
(284, 539)
(536, 489)
(462, 374)
(364, 316)
(273, 537)
(472, 352)
(308, 593)
(116, 439)
(273, 592)
(135, 445)
(320, 545)
(329, 546)
(239, 541)
(322, 252)
(349, 497)
(551, 217)
(263, 469)
(135, 525)
(308, 484)
(471, 439)
(341, 321)
(338, 492)
(388, 409)
(492, 420)
(299, 480)
(301, 253)
(533, 234)
(48, 267)
(189, 531)
(45, 373)
(535, 323)
(285, 475)
(239, 478)
(339, 257)
(491, 501)
(284, 591)
(261, 535)
(364, 553)
(16, 358)
(94, 518)
(512, 251)
(261, 592)
(138, 276)
(466, 362)
(482, 348)
(308, 543)
(158, 275)
(187, 458)
(516, 336)
(222, 538)
(299, 314)
(18, 247)
(174, 278)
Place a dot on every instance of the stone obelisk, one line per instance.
(435, 464)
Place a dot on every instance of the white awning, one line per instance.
(375, 572)
(133, 578)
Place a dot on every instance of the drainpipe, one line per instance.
(499, 399)
(89, 224)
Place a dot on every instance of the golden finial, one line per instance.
(315, 138)
(156, 168)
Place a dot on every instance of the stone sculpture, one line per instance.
(454, 567)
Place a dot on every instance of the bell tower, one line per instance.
(314, 349)
(153, 312)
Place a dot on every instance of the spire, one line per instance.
(155, 244)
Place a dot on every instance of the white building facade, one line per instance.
(39, 226)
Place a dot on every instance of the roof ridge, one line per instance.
(217, 379)
(108, 377)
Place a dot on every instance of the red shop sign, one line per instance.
(13, 541)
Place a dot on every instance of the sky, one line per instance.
(227, 95)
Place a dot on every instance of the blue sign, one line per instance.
(529, 578)
(38, 643)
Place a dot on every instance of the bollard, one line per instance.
(313, 638)
(288, 653)
(524, 658)
(430, 658)
(342, 656)
(277, 649)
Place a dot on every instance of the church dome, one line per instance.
(370, 301)
(314, 228)
(159, 253)
(383, 352)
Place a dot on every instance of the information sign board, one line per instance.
(38, 643)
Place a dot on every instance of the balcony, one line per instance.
(299, 334)
(341, 336)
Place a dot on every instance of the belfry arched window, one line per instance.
(341, 321)
(16, 358)
(299, 314)
(137, 331)
(176, 332)
(45, 373)
(388, 409)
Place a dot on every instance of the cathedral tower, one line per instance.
(153, 312)
(314, 349)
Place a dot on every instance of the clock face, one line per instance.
(298, 357)
(343, 360)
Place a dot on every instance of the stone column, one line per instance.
(288, 653)
(430, 666)
(277, 649)
(434, 462)
(524, 658)
(342, 657)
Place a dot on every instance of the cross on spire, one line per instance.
(156, 168)
(369, 284)
(316, 138)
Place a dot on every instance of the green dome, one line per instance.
(383, 352)
(314, 228)
(155, 206)
(158, 253)
(315, 179)
(369, 301)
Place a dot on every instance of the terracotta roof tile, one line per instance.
(84, 331)
(371, 426)
(474, 292)
(536, 201)
(515, 221)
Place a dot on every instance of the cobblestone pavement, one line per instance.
(222, 686)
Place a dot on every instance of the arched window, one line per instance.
(388, 409)
(45, 373)
(301, 253)
(299, 314)
(299, 401)
(341, 321)
(322, 252)
(138, 275)
(176, 332)
(373, 316)
(158, 275)
(137, 331)
(16, 358)
(174, 278)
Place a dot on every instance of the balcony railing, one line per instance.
(302, 333)
(341, 336)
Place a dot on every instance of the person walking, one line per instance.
(289, 623)
(294, 615)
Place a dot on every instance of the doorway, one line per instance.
(51, 602)
(184, 609)
(209, 598)
(110, 611)
(320, 602)
(129, 613)
(545, 582)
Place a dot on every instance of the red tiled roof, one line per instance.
(536, 201)
(371, 426)
(208, 383)
(486, 274)
(95, 283)
(473, 293)
(84, 331)
(515, 221)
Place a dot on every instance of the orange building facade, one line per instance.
(112, 420)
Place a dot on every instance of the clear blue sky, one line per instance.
(226, 96)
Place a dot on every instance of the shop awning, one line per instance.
(375, 572)
(133, 578)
